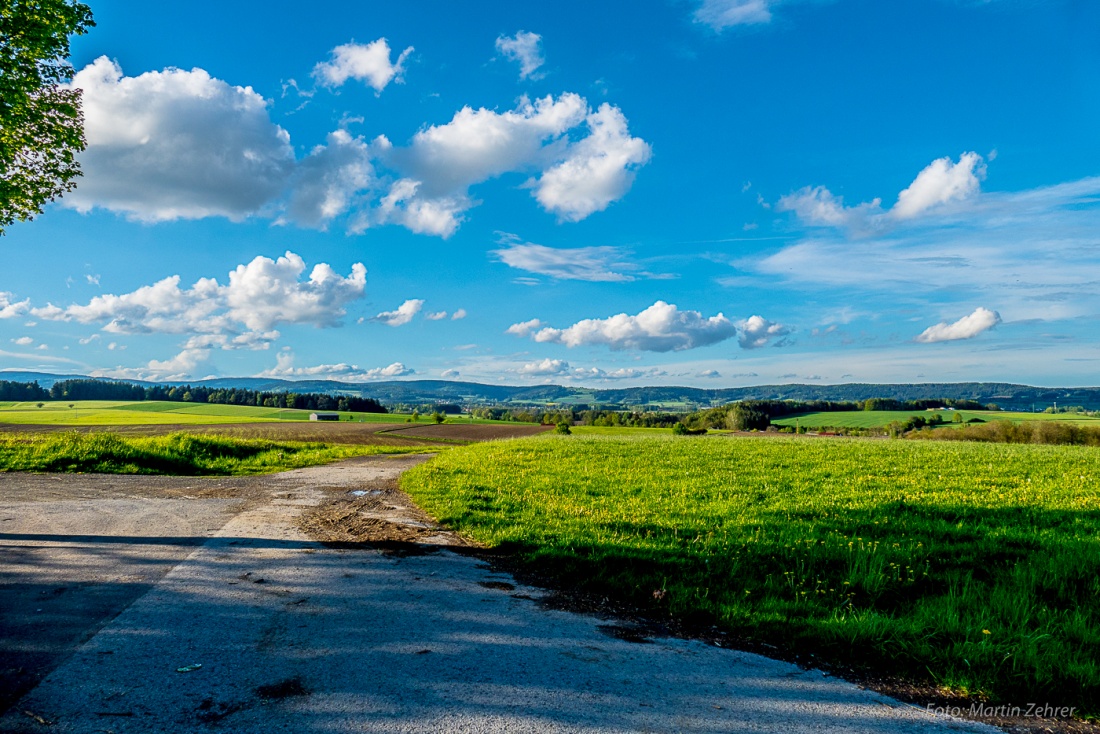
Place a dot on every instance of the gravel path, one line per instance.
(295, 636)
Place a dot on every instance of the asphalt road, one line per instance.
(275, 632)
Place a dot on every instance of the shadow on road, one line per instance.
(291, 635)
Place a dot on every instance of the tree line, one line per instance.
(590, 417)
(750, 415)
(128, 391)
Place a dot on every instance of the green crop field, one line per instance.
(975, 564)
(880, 418)
(160, 412)
(106, 412)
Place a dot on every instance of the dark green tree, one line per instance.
(41, 124)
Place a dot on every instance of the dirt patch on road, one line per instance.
(379, 514)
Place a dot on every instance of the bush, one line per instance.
(1042, 432)
(563, 428)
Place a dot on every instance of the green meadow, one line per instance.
(175, 453)
(975, 566)
(881, 418)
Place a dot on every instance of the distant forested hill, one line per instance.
(413, 392)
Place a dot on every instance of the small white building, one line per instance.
(324, 416)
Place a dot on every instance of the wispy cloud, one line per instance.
(722, 14)
(526, 49)
(1034, 253)
(595, 264)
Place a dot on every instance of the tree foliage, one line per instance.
(22, 392)
(90, 389)
(41, 124)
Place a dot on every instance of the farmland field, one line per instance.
(880, 418)
(106, 412)
(977, 565)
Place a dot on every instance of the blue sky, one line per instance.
(701, 192)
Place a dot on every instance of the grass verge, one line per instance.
(977, 565)
(175, 453)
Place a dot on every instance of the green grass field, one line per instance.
(175, 453)
(880, 418)
(160, 412)
(975, 564)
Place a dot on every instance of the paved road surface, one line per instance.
(292, 636)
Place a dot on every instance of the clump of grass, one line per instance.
(975, 564)
(175, 453)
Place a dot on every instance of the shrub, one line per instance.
(1042, 432)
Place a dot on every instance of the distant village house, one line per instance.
(324, 416)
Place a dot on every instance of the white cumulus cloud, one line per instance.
(176, 144)
(581, 161)
(525, 328)
(326, 182)
(660, 328)
(967, 327)
(544, 368)
(180, 367)
(369, 63)
(267, 292)
(438, 216)
(940, 183)
(403, 315)
(756, 332)
(284, 369)
(817, 206)
(526, 49)
(23, 341)
(458, 315)
(10, 308)
(597, 170)
(562, 369)
(259, 296)
(479, 144)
